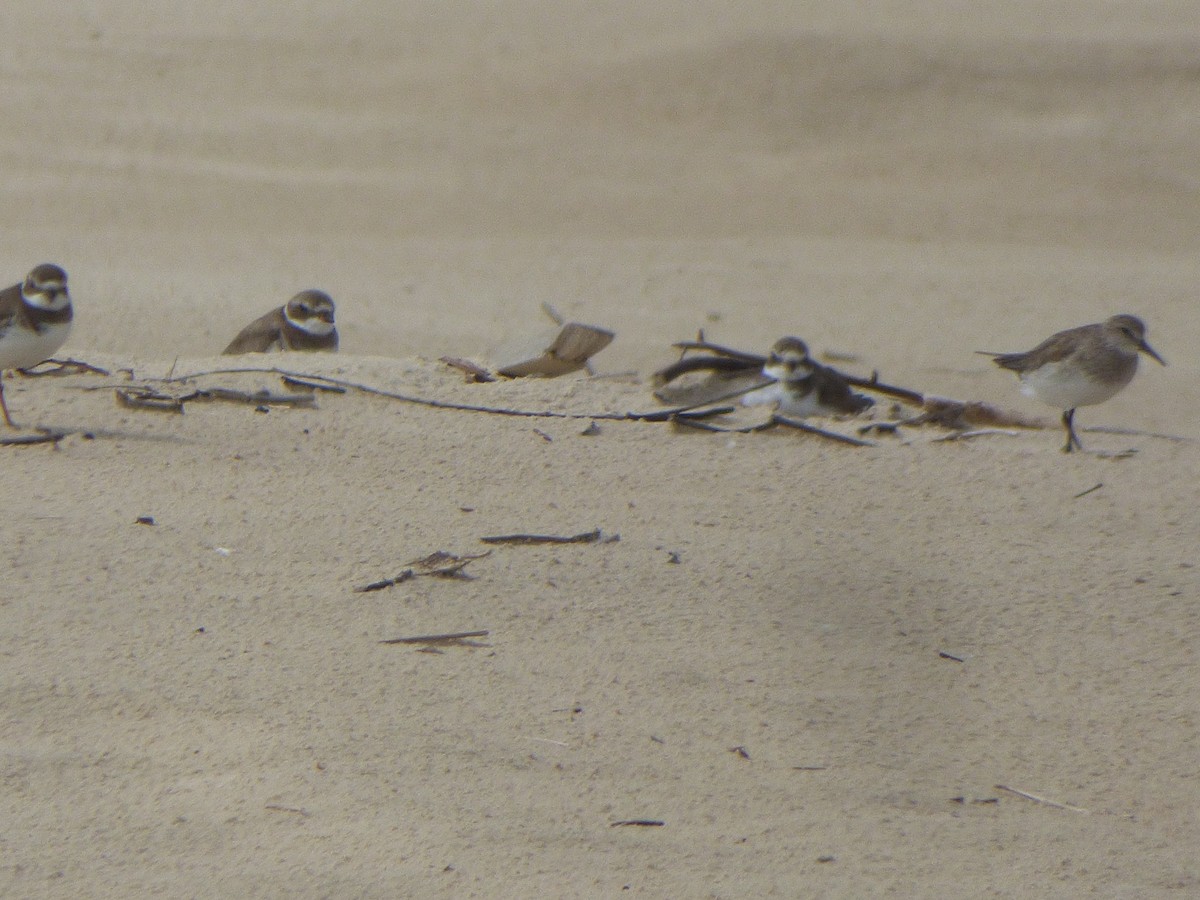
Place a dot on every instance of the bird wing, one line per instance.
(1055, 348)
(257, 337)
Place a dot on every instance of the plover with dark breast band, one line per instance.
(35, 319)
(1081, 366)
(802, 387)
(303, 323)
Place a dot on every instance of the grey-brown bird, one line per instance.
(303, 323)
(1081, 366)
(35, 319)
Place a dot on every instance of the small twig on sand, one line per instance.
(644, 823)
(438, 564)
(775, 422)
(276, 807)
(144, 397)
(62, 367)
(147, 398)
(257, 398)
(386, 582)
(1094, 487)
(658, 415)
(44, 436)
(1036, 799)
(453, 638)
(586, 537)
(752, 360)
(474, 372)
(978, 432)
(821, 432)
(311, 385)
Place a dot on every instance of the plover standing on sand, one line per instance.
(35, 319)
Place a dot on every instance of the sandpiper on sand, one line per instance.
(1081, 366)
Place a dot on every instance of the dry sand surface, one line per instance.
(202, 707)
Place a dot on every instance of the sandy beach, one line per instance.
(788, 667)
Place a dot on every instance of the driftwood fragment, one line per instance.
(586, 537)
(292, 381)
(1038, 799)
(568, 349)
(42, 436)
(62, 367)
(776, 421)
(151, 398)
(642, 823)
(975, 433)
(438, 564)
(474, 372)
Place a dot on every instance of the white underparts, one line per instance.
(21, 348)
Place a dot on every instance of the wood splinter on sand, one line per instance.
(450, 638)
(586, 537)
(566, 349)
(1037, 799)
(438, 564)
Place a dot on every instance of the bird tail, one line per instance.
(1004, 360)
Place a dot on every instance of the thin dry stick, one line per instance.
(386, 582)
(277, 807)
(587, 537)
(978, 432)
(821, 432)
(256, 397)
(143, 397)
(312, 385)
(658, 415)
(775, 422)
(453, 637)
(1036, 799)
(62, 367)
(24, 440)
(1094, 487)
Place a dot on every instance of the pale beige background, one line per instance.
(907, 182)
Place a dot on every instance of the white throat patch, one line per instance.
(61, 300)
(313, 326)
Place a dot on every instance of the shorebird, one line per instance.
(35, 319)
(303, 323)
(1081, 366)
(803, 387)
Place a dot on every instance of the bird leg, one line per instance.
(4, 406)
(1068, 420)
